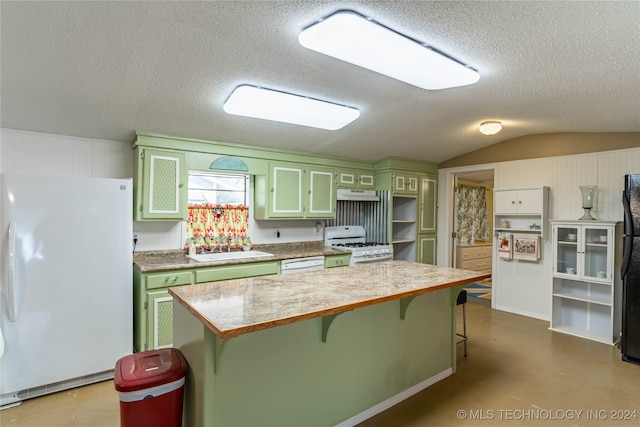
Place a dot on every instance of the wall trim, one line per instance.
(394, 400)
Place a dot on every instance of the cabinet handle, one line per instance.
(171, 279)
(513, 202)
(181, 185)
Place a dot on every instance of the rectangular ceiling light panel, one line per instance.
(353, 38)
(268, 104)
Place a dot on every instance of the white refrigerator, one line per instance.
(67, 297)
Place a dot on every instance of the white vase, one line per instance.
(588, 200)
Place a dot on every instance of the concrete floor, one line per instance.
(517, 373)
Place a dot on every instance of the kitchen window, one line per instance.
(217, 188)
(217, 211)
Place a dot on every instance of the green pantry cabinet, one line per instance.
(413, 209)
(153, 306)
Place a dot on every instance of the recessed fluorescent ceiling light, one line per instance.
(268, 104)
(351, 37)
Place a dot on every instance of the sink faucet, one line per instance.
(218, 247)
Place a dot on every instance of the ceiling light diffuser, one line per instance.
(268, 104)
(351, 37)
(490, 127)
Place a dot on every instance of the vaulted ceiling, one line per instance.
(106, 69)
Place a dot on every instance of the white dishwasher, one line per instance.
(299, 265)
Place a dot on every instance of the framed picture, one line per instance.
(504, 246)
(526, 247)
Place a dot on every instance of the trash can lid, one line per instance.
(149, 369)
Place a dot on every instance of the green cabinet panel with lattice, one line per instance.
(153, 306)
(295, 191)
(160, 188)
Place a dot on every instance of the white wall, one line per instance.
(525, 287)
(33, 153)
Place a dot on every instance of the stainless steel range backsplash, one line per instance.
(373, 216)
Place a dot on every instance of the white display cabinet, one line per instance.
(586, 297)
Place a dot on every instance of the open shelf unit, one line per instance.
(403, 227)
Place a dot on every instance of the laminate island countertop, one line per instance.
(320, 348)
(237, 307)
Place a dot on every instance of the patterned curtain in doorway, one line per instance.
(472, 222)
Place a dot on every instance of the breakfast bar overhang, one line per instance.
(323, 348)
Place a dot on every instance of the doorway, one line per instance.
(472, 224)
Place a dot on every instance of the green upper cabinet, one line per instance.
(161, 188)
(399, 182)
(350, 178)
(295, 191)
(402, 176)
(321, 200)
(286, 191)
(405, 183)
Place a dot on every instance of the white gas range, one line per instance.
(353, 238)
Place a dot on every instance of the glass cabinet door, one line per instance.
(596, 253)
(566, 261)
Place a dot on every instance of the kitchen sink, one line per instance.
(224, 256)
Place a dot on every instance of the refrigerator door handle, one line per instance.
(626, 255)
(11, 281)
(628, 220)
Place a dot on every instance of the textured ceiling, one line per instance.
(106, 69)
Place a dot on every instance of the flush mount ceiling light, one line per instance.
(353, 38)
(490, 127)
(268, 104)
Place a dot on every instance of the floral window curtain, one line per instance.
(472, 222)
(211, 224)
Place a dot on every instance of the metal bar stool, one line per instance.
(462, 300)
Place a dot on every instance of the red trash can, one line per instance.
(151, 388)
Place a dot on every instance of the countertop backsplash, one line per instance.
(159, 260)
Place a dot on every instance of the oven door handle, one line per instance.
(374, 259)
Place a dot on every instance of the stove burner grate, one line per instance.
(360, 245)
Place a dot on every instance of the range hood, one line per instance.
(358, 195)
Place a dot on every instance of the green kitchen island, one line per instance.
(322, 348)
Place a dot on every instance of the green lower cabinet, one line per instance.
(153, 306)
(427, 248)
(229, 272)
(160, 319)
(341, 260)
